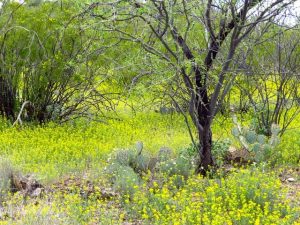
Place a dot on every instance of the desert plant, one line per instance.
(259, 146)
(181, 166)
(125, 180)
(6, 172)
(55, 66)
(164, 154)
(124, 157)
(136, 159)
(127, 167)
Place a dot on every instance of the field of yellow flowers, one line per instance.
(69, 161)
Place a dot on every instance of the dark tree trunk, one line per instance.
(204, 135)
(204, 114)
(206, 158)
(7, 99)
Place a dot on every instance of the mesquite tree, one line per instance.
(196, 40)
(271, 82)
(49, 64)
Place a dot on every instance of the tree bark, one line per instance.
(7, 100)
(207, 162)
(205, 134)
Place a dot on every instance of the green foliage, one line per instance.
(220, 149)
(244, 196)
(289, 148)
(6, 172)
(124, 179)
(123, 163)
(180, 166)
(51, 58)
(136, 159)
(53, 150)
(54, 64)
(251, 136)
(164, 154)
(124, 157)
(256, 144)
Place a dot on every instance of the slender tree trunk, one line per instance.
(7, 99)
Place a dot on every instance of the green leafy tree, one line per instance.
(49, 60)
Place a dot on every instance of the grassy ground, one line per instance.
(53, 150)
(70, 158)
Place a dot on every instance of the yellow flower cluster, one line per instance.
(247, 197)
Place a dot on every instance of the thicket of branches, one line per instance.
(50, 62)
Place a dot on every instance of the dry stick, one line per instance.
(20, 113)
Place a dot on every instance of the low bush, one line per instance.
(127, 168)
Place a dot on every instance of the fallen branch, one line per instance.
(19, 120)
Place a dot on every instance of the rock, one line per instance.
(26, 184)
(240, 156)
(108, 193)
(37, 193)
(291, 179)
(16, 184)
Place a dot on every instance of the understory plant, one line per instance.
(259, 146)
(245, 197)
(128, 167)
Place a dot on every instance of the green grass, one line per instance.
(54, 150)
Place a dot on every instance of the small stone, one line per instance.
(37, 193)
(108, 193)
(291, 179)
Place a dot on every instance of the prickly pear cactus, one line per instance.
(259, 146)
(261, 139)
(274, 140)
(141, 163)
(164, 154)
(124, 157)
(251, 136)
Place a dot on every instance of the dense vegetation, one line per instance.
(149, 112)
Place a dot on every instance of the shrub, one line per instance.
(220, 149)
(125, 180)
(127, 166)
(54, 64)
(6, 173)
